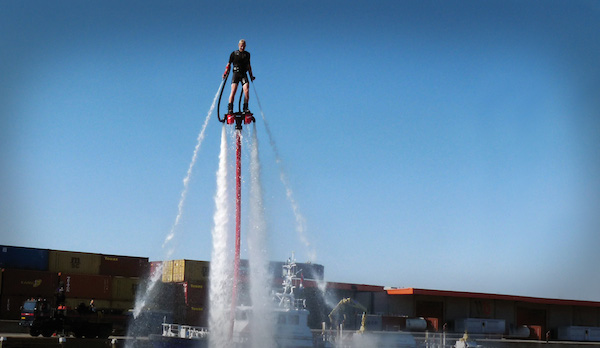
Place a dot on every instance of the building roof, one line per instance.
(447, 293)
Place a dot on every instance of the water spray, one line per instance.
(145, 294)
(238, 119)
(300, 221)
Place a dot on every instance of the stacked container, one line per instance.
(191, 277)
(110, 280)
(19, 285)
(24, 275)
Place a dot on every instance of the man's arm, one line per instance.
(226, 70)
(250, 71)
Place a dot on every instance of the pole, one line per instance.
(238, 208)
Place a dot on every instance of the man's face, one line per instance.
(242, 46)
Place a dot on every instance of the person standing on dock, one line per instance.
(241, 65)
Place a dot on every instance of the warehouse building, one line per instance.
(516, 316)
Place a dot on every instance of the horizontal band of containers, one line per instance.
(72, 262)
(107, 291)
(45, 284)
(110, 280)
(176, 271)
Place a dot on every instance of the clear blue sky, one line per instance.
(449, 145)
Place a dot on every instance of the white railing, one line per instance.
(184, 331)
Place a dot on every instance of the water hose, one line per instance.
(219, 103)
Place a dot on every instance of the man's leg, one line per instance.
(231, 96)
(246, 89)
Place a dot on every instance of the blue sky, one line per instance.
(449, 145)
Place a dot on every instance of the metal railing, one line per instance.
(184, 331)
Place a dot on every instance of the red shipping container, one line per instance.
(126, 266)
(29, 283)
(87, 286)
(432, 324)
(535, 332)
(10, 306)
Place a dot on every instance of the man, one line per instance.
(241, 65)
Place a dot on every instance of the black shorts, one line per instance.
(239, 77)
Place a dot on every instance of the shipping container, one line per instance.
(579, 333)
(481, 326)
(196, 316)
(190, 271)
(535, 332)
(167, 271)
(74, 262)
(433, 324)
(126, 266)
(195, 294)
(87, 286)
(29, 283)
(10, 306)
(23, 258)
(124, 288)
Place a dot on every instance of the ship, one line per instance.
(288, 317)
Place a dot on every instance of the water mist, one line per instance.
(220, 265)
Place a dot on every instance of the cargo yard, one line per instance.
(109, 284)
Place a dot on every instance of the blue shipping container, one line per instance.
(23, 258)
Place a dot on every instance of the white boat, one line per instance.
(288, 317)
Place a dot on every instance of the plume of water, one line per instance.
(263, 321)
(146, 293)
(220, 266)
(186, 180)
(300, 220)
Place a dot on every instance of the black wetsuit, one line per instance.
(241, 62)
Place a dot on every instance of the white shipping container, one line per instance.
(594, 334)
(579, 333)
(571, 333)
(471, 325)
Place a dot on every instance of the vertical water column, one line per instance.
(263, 320)
(220, 266)
(238, 220)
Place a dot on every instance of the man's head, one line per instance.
(242, 45)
